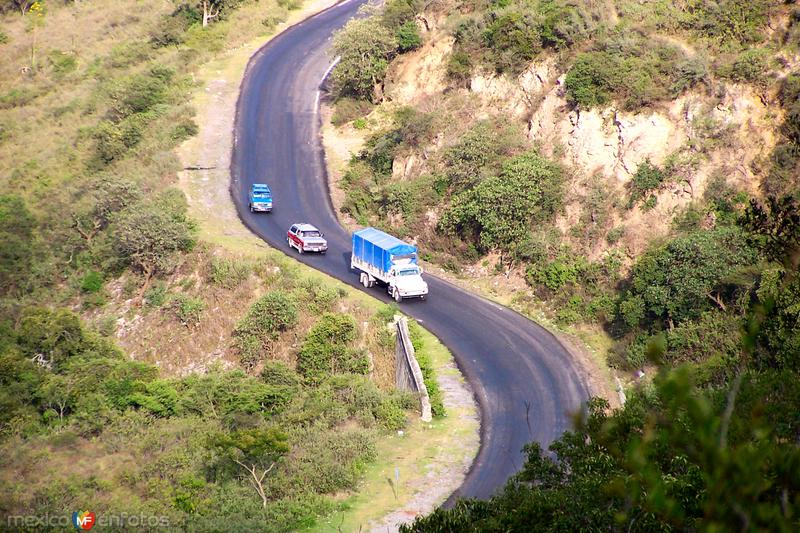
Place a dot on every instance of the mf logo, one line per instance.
(83, 521)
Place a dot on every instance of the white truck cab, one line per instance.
(405, 281)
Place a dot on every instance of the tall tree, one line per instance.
(148, 235)
(364, 47)
(213, 9)
(256, 451)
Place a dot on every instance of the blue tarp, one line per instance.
(379, 249)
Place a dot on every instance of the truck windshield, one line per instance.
(261, 195)
(408, 272)
(311, 234)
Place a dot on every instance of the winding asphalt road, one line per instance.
(524, 380)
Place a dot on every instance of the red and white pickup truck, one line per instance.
(306, 238)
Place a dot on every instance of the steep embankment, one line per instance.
(662, 122)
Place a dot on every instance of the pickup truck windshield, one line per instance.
(261, 195)
(408, 272)
(311, 234)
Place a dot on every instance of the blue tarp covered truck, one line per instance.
(379, 257)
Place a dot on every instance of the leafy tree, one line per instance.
(364, 47)
(59, 393)
(148, 235)
(674, 459)
(679, 280)
(498, 212)
(256, 451)
(216, 8)
(110, 196)
(20, 380)
(325, 350)
(16, 243)
(55, 336)
(271, 314)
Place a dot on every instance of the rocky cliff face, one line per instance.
(725, 130)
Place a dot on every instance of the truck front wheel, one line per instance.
(397, 297)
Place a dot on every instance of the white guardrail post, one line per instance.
(408, 373)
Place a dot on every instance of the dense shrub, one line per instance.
(139, 93)
(631, 71)
(114, 140)
(274, 312)
(325, 350)
(459, 67)
(750, 66)
(17, 227)
(498, 212)
(408, 37)
(188, 309)
(681, 279)
(367, 192)
(785, 158)
(510, 34)
(479, 153)
(711, 345)
(729, 22)
(396, 13)
(647, 179)
(229, 272)
(271, 314)
(92, 281)
(62, 63)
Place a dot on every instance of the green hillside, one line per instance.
(699, 303)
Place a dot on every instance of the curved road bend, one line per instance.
(524, 380)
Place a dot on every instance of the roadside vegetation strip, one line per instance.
(417, 471)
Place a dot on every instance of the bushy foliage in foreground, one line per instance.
(365, 47)
(673, 459)
(190, 444)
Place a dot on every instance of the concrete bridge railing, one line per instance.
(408, 375)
